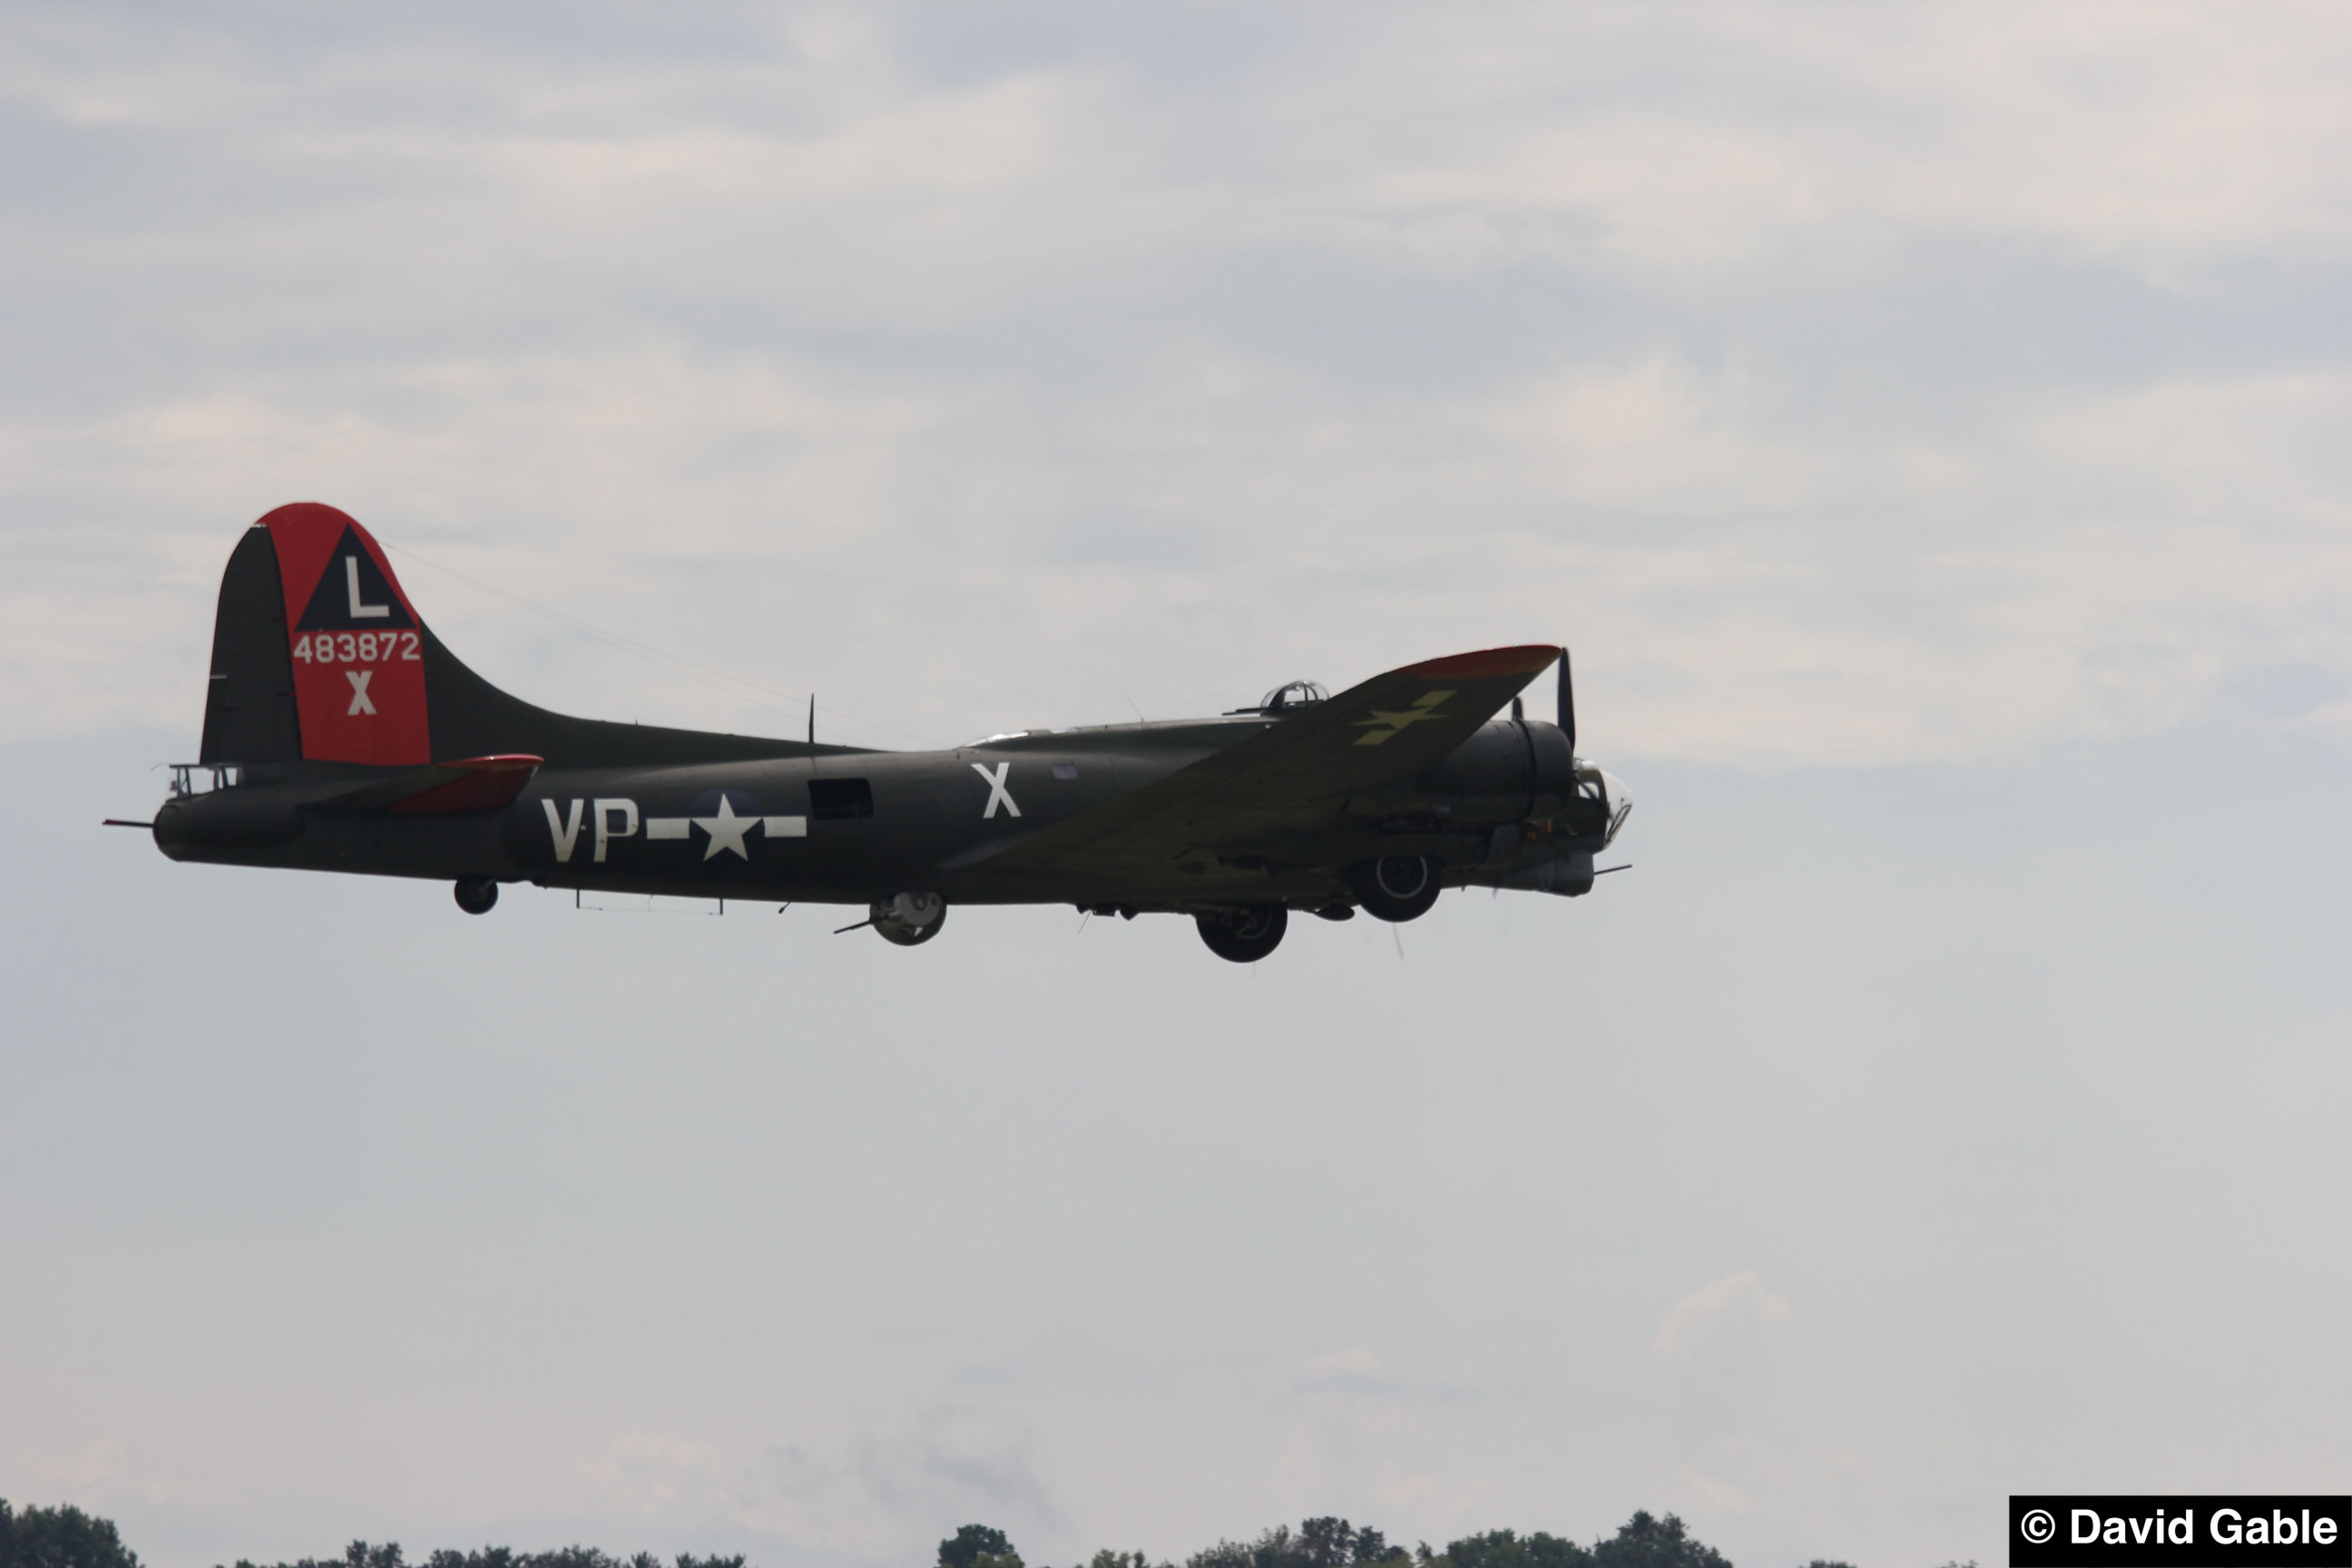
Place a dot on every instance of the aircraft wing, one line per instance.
(1293, 776)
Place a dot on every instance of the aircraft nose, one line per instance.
(1621, 801)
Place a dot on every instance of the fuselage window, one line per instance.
(833, 800)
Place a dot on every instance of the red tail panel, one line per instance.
(359, 670)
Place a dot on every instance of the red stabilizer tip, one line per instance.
(486, 783)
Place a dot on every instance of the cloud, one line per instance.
(1749, 358)
(1735, 1297)
(2151, 137)
(1354, 1362)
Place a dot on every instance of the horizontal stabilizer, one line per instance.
(472, 784)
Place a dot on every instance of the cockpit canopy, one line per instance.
(1292, 694)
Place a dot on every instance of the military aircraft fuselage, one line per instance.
(851, 826)
(342, 735)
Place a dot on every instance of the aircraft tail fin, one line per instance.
(249, 709)
(318, 656)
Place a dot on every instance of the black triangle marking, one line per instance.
(334, 601)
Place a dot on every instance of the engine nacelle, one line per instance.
(1511, 771)
(1568, 874)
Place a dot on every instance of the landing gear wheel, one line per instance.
(477, 894)
(909, 919)
(1246, 935)
(1398, 887)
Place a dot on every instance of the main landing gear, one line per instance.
(1398, 887)
(1394, 888)
(476, 895)
(1246, 935)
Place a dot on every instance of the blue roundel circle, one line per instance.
(739, 804)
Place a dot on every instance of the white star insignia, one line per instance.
(727, 831)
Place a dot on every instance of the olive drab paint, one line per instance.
(342, 735)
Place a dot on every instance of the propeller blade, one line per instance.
(1567, 704)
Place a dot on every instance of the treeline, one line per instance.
(359, 1554)
(60, 1537)
(1644, 1541)
(66, 1537)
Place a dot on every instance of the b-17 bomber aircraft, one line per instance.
(341, 735)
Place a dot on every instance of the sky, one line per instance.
(1925, 423)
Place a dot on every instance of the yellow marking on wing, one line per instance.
(1386, 723)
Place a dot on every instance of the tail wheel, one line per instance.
(909, 919)
(476, 895)
(1399, 886)
(1246, 935)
